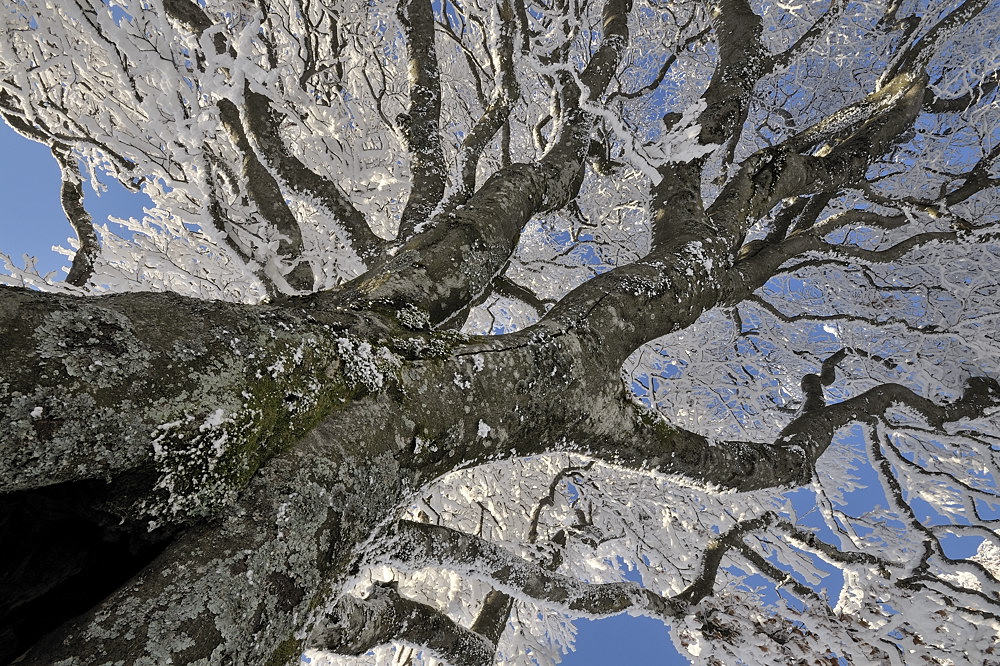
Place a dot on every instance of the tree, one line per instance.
(448, 312)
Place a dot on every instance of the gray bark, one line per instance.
(266, 444)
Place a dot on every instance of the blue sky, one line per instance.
(32, 221)
(31, 217)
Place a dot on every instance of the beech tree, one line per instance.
(453, 320)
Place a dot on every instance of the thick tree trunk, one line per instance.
(240, 588)
(206, 411)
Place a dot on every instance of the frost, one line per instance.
(188, 467)
(138, 99)
(215, 419)
(461, 381)
(366, 365)
(414, 318)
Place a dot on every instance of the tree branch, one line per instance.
(808, 38)
(226, 228)
(788, 461)
(718, 548)
(936, 104)
(418, 544)
(421, 128)
(444, 269)
(266, 193)
(71, 196)
(505, 94)
(917, 55)
(137, 375)
(742, 59)
(355, 626)
(262, 123)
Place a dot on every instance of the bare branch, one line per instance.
(421, 126)
(788, 461)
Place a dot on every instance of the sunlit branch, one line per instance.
(419, 544)
(262, 123)
(780, 172)
(682, 232)
(878, 118)
(900, 460)
(920, 573)
(969, 490)
(355, 626)
(421, 126)
(71, 197)
(36, 130)
(800, 219)
(502, 99)
(266, 193)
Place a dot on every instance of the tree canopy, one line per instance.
(453, 320)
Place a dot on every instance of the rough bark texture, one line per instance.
(257, 450)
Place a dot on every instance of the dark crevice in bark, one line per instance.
(62, 554)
